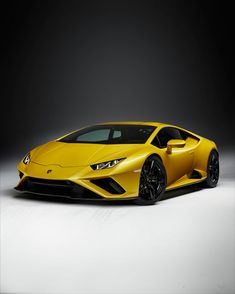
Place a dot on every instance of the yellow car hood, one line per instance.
(80, 154)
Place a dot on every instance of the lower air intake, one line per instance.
(64, 188)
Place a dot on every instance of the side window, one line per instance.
(166, 134)
(117, 134)
(186, 135)
(156, 142)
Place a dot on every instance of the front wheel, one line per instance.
(212, 170)
(152, 181)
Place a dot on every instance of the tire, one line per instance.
(212, 170)
(152, 181)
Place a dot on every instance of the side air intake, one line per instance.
(109, 185)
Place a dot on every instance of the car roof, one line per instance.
(156, 124)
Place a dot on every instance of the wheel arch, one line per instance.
(213, 149)
(203, 153)
(162, 183)
(155, 154)
(160, 158)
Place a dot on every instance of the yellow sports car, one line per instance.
(120, 160)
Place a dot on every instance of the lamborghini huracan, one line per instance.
(120, 160)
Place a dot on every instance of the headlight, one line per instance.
(26, 159)
(106, 164)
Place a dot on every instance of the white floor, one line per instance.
(183, 244)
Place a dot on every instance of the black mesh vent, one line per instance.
(109, 185)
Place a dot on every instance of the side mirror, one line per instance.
(174, 143)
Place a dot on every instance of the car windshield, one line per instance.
(111, 134)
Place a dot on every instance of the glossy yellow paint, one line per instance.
(72, 162)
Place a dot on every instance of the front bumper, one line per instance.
(78, 182)
(61, 188)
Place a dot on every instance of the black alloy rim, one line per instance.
(152, 180)
(214, 168)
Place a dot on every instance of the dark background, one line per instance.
(67, 64)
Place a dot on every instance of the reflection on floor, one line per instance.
(183, 244)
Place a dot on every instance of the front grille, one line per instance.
(64, 188)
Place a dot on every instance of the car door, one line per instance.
(180, 161)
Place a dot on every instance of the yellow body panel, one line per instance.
(72, 162)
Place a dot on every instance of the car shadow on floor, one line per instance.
(54, 199)
(181, 191)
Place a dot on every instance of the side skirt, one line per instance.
(184, 181)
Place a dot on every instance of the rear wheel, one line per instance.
(212, 170)
(152, 181)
